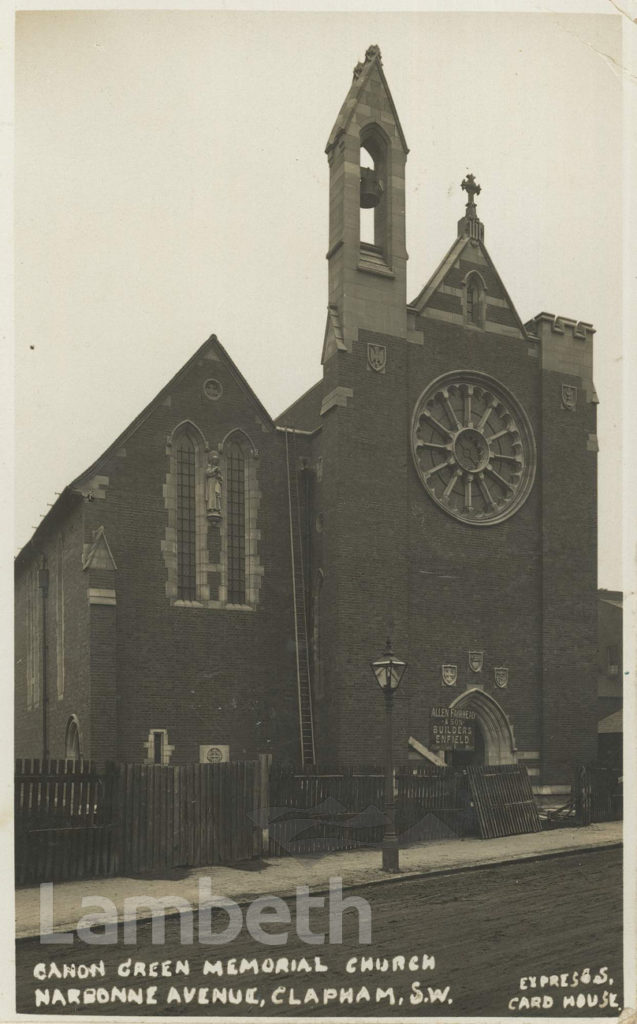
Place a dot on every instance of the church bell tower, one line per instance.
(367, 257)
(362, 443)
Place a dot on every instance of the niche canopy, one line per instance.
(473, 447)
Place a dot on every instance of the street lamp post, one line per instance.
(388, 672)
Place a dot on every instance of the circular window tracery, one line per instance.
(213, 389)
(473, 447)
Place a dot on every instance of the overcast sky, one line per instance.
(172, 183)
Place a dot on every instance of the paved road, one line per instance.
(527, 931)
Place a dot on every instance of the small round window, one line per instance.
(213, 389)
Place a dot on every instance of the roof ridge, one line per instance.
(443, 268)
(303, 395)
(212, 341)
(121, 438)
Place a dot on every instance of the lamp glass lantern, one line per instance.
(388, 670)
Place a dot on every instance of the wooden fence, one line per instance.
(186, 815)
(597, 794)
(73, 821)
(503, 800)
(64, 820)
(433, 803)
(317, 809)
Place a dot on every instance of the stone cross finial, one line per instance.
(470, 226)
(471, 187)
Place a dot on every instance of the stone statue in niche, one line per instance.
(214, 485)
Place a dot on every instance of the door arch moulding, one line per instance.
(499, 742)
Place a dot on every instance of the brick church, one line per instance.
(217, 582)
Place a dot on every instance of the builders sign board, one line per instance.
(452, 729)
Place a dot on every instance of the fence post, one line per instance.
(115, 789)
(261, 836)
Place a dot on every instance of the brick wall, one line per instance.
(207, 675)
(522, 590)
(389, 562)
(476, 588)
(398, 564)
(61, 542)
(569, 630)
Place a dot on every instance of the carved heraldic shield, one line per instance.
(450, 675)
(501, 677)
(475, 660)
(377, 357)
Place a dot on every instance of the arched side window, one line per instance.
(72, 745)
(211, 540)
(241, 570)
(474, 300)
(34, 637)
(236, 512)
(185, 541)
(59, 617)
(185, 457)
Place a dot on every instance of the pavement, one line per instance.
(281, 875)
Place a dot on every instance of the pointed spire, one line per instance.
(371, 53)
(363, 71)
(470, 225)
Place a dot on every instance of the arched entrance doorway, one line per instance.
(494, 738)
(464, 758)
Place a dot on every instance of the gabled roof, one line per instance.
(212, 343)
(362, 73)
(439, 274)
(67, 500)
(305, 413)
(473, 252)
(119, 442)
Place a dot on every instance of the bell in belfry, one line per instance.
(371, 188)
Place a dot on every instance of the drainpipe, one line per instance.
(43, 583)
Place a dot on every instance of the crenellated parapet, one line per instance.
(566, 346)
(560, 325)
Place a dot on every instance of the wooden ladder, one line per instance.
(306, 722)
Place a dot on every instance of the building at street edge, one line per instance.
(217, 582)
